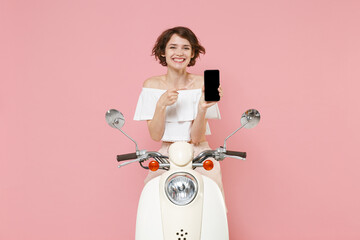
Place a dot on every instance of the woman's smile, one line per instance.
(178, 60)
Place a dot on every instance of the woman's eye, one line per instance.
(172, 47)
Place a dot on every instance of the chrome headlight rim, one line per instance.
(181, 174)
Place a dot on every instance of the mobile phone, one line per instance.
(211, 83)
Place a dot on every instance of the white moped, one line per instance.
(181, 204)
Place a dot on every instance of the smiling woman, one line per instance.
(173, 104)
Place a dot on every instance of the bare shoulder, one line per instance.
(198, 81)
(153, 82)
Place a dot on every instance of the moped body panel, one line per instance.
(148, 220)
(214, 216)
(203, 219)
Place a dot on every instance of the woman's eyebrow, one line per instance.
(174, 44)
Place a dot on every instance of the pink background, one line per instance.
(64, 63)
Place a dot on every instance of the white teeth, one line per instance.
(179, 60)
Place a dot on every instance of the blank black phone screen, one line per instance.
(211, 82)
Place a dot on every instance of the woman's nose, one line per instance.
(179, 51)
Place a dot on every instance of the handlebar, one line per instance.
(235, 153)
(141, 156)
(127, 156)
(219, 154)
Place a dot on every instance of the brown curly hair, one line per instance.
(184, 32)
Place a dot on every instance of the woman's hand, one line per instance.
(203, 105)
(168, 98)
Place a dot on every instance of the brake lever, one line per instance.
(132, 161)
(236, 157)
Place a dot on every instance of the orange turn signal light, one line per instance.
(153, 165)
(208, 165)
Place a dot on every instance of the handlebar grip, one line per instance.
(124, 157)
(235, 153)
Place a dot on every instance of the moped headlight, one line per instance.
(181, 188)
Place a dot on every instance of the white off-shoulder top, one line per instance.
(179, 116)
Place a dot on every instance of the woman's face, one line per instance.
(178, 52)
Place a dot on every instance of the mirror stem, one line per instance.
(234, 133)
(136, 146)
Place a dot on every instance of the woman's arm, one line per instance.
(156, 125)
(198, 127)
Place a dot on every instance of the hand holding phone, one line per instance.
(211, 85)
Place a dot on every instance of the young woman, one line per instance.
(173, 104)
